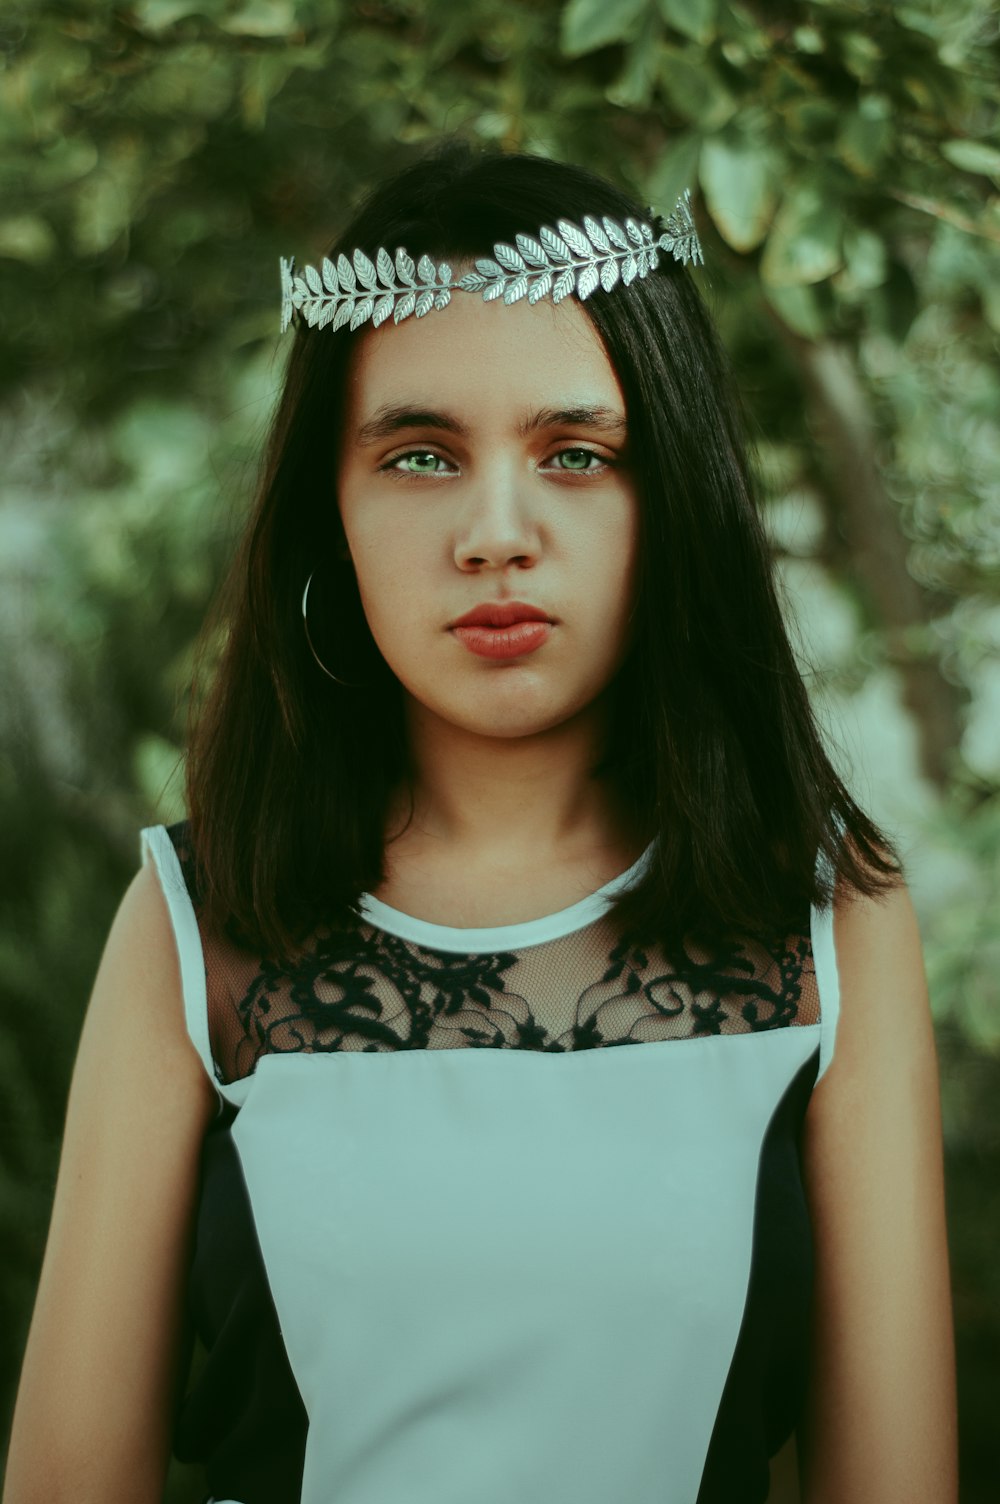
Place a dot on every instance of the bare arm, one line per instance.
(880, 1424)
(94, 1407)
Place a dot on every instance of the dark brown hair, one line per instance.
(712, 746)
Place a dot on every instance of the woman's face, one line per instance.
(484, 460)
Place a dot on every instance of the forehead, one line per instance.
(476, 352)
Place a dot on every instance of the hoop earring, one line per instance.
(305, 620)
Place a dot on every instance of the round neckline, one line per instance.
(501, 936)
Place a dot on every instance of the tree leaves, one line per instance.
(156, 16)
(675, 170)
(866, 135)
(27, 237)
(586, 25)
(693, 18)
(262, 18)
(799, 308)
(804, 245)
(740, 182)
(695, 88)
(129, 167)
(973, 156)
(865, 262)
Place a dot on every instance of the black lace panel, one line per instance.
(365, 989)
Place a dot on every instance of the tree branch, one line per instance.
(878, 548)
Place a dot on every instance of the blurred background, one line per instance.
(158, 157)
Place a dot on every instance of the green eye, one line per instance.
(423, 455)
(584, 455)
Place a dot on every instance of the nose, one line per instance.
(498, 526)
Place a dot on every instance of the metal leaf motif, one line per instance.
(382, 310)
(509, 259)
(556, 248)
(287, 272)
(575, 238)
(598, 238)
(681, 237)
(365, 271)
(531, 251)
(343, 313)
(615, 234)
(602, 253)
(563, 285)
(405, 307)
(362, 312)
(586, 282)
(539, 287)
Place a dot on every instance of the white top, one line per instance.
(518, 1210)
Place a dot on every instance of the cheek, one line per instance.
(392, 568)
(609, 562)
(386, 551)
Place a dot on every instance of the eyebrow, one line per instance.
(389, 419)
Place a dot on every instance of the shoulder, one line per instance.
(138, 996)
(141, 933)
(884, 1043)
(884, 1001)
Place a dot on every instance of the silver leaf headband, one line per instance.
(569, 259)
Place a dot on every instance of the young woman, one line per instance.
(507, 766)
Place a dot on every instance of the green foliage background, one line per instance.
(155, 160)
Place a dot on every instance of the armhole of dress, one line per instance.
(827, 977)
(158, 848)
(827, 984)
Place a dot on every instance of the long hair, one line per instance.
(712, 744)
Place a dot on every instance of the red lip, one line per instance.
(500, 614)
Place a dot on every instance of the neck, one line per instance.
(509, 799)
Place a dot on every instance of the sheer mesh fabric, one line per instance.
(362, 988)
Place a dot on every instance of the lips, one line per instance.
(500, 614)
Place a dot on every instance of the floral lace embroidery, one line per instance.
(363, 988)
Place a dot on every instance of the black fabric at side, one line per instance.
(242, 1417)
(765, 1387)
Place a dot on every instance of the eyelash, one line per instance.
(390, 465)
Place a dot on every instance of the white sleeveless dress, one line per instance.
(510, 1215)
